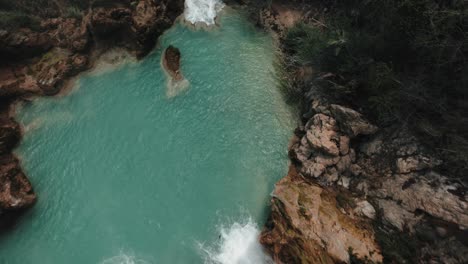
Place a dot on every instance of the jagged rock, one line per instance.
(307, 227)
(9, 135)
(397, 216)
(16, 192)
(68, 33)
(322, 135)
(136, 26)
(366, 209)
(415, 163)
(23, 43)
(351, 122)
(431, 197)
(171, 63)
(106, 22)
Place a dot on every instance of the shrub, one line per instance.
(14, 20)
(401, 61)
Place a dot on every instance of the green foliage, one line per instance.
(14, 20)
(79, 4)
(402, 61)
(396, 246)
(74, 12)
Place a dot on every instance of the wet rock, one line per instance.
(171, 63)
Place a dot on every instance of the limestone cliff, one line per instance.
(355, 191)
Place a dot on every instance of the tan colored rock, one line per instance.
(364, 208)
(397, 216)
(415, 163)
(420, 194)
(322, 135)
(344, 145)
(307, 227)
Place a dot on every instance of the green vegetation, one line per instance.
(396, 246)
(74, 12)
(14, 20)
(401, 61)
(345, 201)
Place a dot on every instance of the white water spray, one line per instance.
(238, 244)
(123, 258)
(202, 11)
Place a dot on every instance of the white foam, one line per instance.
(123, 258)
(238, 244)
(175, 88)
(202, 11)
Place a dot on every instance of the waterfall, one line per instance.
(202, 11)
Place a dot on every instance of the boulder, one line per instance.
(171, 63)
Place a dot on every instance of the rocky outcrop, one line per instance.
(134, 27)
(306, 226)
(16, 192)
(386, 175)
(171, 63)
(23, 44)
(40, 62)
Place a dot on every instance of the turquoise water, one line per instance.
(125, 174)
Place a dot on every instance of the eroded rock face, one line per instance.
(390, 176)
(22, 44)
(135, 27)
(41, 62)
(307, 227)
(16, 192)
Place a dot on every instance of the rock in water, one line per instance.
(171, 64)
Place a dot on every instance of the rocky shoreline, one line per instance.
(41, 63)
(355, 192)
